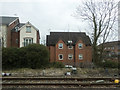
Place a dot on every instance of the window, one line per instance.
(118, 53)
(113, 48)
(105, 48)
(28, 29)
(60, 56)
(113, 53)
(28, 41)
(70, 47)
(119, 46)
(16, 29)
(80, 56)
(60, 46)
(80, 45)
(69, 41)
(70, 56)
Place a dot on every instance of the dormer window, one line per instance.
(28, 29)
(69, 41)
(60, 46)
(80, 45)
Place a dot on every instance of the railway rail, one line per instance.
(75, 82)
(58, 78)
(62, 84)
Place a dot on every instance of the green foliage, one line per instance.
(109, 64)
(32, 56)
(10, 57)
(57, 65)
(37, 56)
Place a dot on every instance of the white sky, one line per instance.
(45, 14)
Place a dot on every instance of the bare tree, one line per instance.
(101, 16)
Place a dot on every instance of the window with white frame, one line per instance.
(105, 48)
(80, 56)
(60, 56)
(69, 41)
(60, 46)
(28, 29)
(80, 45)
(28, 41)
(70, 47)
(70, 56)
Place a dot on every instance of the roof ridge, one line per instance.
(9, 16)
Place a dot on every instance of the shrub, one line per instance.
(32, 56)
(57, 65)
(109, 64)
(10, 58)
(37, 56)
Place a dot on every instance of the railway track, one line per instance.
(58, 78)
(53, 81)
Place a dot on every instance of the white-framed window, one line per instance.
(60, 56)
(28, 29)
(80, 45)
(80, 56)
(105, 48)
(70, 47)
(70, 56)
(60, 45)
(28, 41)
(69, 41)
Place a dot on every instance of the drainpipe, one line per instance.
(74, 57)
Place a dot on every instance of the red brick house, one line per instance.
(111, 50)
(6, 25)
(71, 48)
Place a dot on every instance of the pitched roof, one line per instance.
(24, 24)
(19, 26)
(54, 37)
(7, 20)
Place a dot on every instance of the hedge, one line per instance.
(31, 56)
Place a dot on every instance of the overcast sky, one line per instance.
(46, 15)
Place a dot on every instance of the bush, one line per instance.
(57, 65)
(10, 58)
(109, 64)
(32, 56)
(37, 56)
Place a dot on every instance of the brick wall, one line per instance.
(9, 33)
(15, 40)
(38, 39)
(85, 51)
